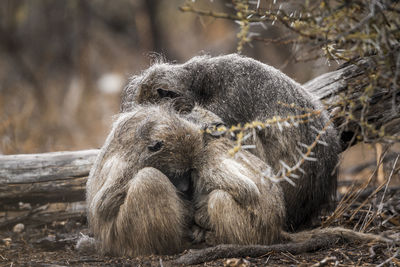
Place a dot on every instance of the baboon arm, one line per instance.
(234, 178)
(106, 188)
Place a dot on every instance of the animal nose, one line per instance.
(184, 184)
(188, 174)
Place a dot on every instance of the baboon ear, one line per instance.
(155, 146)
(162, 93)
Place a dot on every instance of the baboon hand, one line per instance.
(238, 184)
(228, 175)
(246, 194)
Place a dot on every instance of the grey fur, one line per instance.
(133, 207)
(239, 90)
(233, 199)
(86, 244)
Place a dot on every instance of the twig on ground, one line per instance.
(351, 197)
(324, 262)
(236, 251)
(390, 259)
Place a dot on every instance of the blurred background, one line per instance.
(64, 63)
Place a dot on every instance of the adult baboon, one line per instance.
(239, 90)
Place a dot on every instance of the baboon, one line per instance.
(233, 202)
(239, 90)
(134, 208)
(158, 175)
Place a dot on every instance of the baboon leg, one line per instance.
(150, 221)
(235, 224)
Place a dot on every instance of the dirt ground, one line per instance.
(24, 252)
(53, 244)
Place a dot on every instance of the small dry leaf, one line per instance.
(18, 228)
(24, 206)
(6, 241)
(236, 262)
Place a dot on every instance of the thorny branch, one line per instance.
(338, 31)
(286, 173)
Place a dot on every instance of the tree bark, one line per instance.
(43, 178)
(350, 81)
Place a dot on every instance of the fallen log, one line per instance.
(46, 177)
(32, 168)
(67, 190)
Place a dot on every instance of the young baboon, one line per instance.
(233, 202)
(239, 90)
(137, 187)
(157, 175)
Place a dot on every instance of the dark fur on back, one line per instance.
(238, 90)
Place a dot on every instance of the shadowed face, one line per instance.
(159, 137)
(173, 146)
(160, 83)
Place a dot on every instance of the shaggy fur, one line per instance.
(233, 199)
(238, 90)
(134, 208)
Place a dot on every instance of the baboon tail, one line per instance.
(332, 236)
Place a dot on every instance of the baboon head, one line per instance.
(162, 138)
(164, 81)
(160, 83)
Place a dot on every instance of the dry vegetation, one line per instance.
(55, 54)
